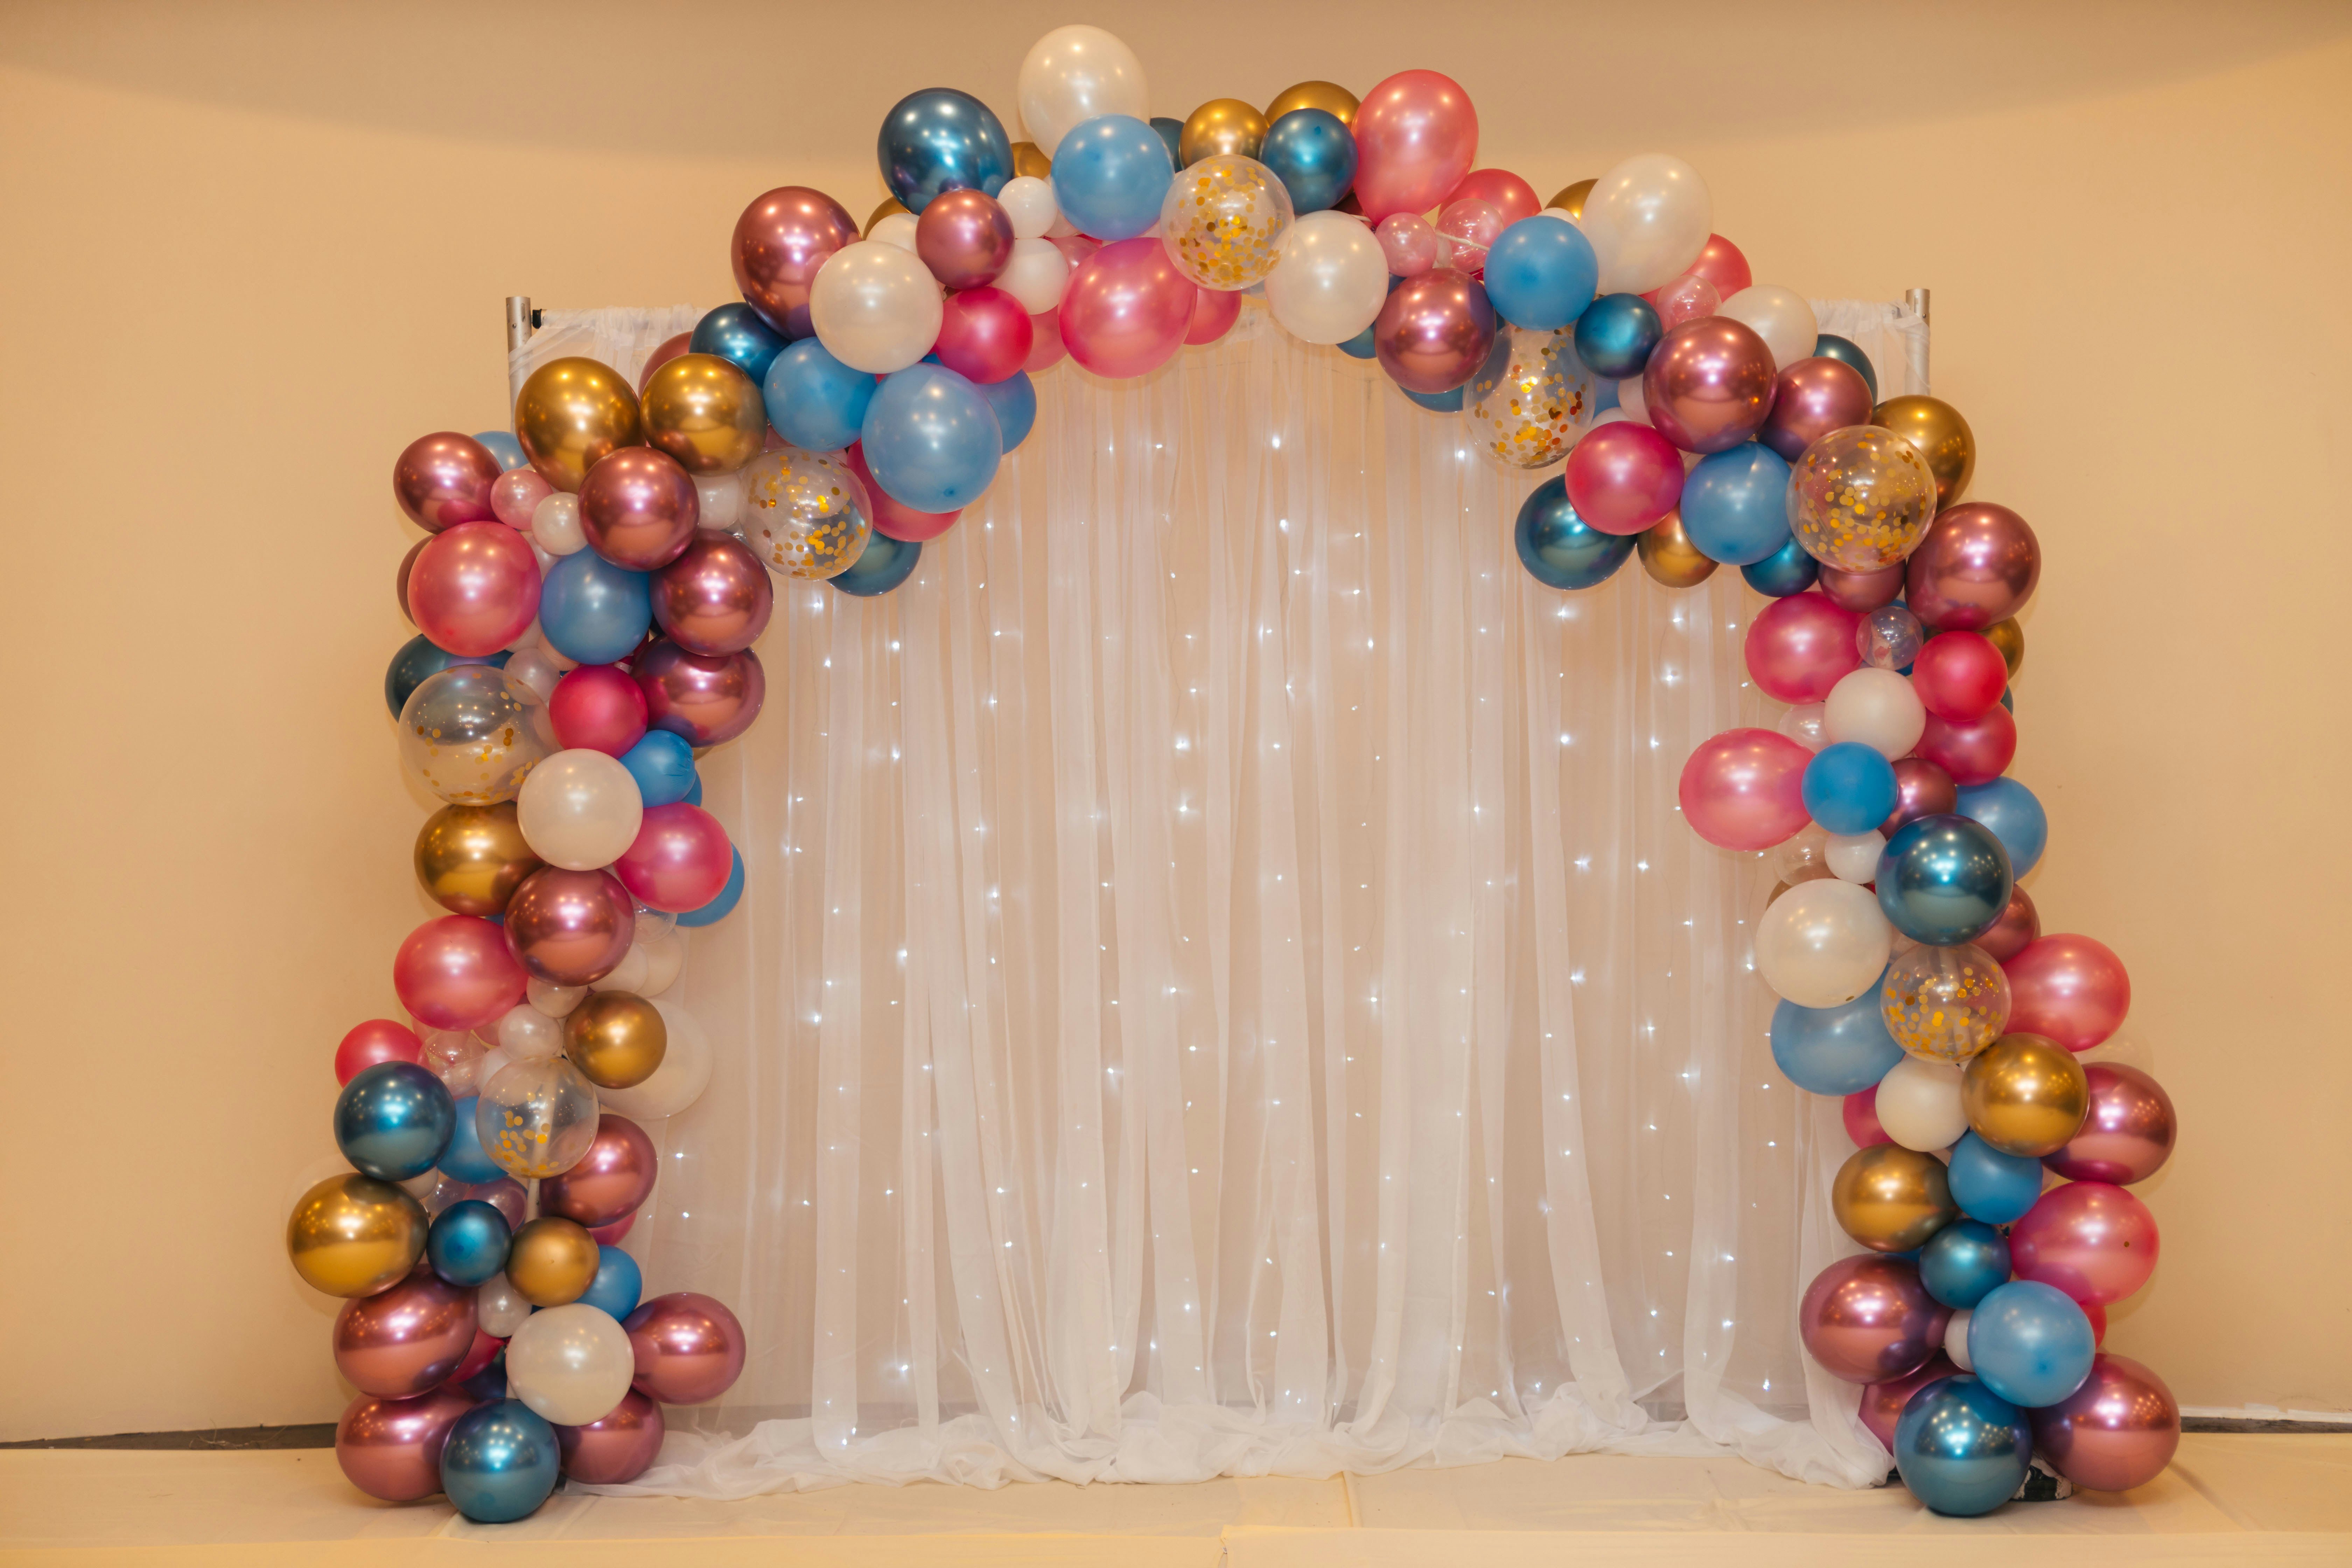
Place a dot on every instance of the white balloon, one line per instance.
(1803, 724)
(1560, 213)
(1028, 201)
(1822, 943)
(628, 975)
(874, 306)
(555, 1001)
(555, 524)
(538, 555)
(1648, 218)
(579, 809)
(528, 637)
(1330, 280)
(534, 669)
(652, 924)
(1781, 317)
(1630, 399)
(1875, 707)
(665, 957)
(499, 1307)
(1036, 274)
(722, 498)
(898, 229)
(1855, 855)
(1072, 74)
(555, 656)
(571, 1363)
(1919, 1104)
(1956, 1338)
(526, 1034)
(678, 1082)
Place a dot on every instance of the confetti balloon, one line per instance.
(1223, 219)
(1891, 1199)
(1945, 1004)
(354, 1235)
(1859, 499)
(705, 414)
(2116, 1431)
(1532, 399)
(1867, 1319)
(469, 734)
(2127, 1132)
(571, 415)
(2025, 1096)
(805, 514)
(536, 1119)
(391, 1448)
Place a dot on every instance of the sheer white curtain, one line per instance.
(1224, 986)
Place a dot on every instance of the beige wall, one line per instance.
(246, 252)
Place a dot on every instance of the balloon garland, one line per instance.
(591, 585)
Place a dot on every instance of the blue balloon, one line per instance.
(930, 439)
(1786, 571)
(1736, 504)
(1604, 396)
(1172, 132)
(490, 1382)
(1110, 175)
(1829, 345)
(1962, 1449)
(2007, 701)
(418, 657)
(694, 795)
(1559, 549)
(2030, 1343)
(464, 1160)
(592, 610)
(500, 1463)
(1013, 401)
(504, 447)
(814, 401)
(1364, 345)
(2016, 818)
(882, 566)
(663, 766)
(392, 1121)
(1616, 334)
(719, 908)
(617, 1285)
(1437, 402)
(736, 332)
(1962, 1263)
(1313, 153)
(1849, 787)
(1944, 880)
(467, 1243)
(1834, 1050)
(1541, 273)
(1991, 1185)
(941, 140)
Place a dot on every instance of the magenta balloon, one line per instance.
(1745, 789)
(1868, 1318)
(506, 1195)
(455, 973)
(679, 860)
(703, 698)
(1977, 565)
(2091, 1239)
(474, 588)
(965, 238)
(984, 334)
(620, 1447)
(610, 1182)
(570, 928)
(2128, 1134)
(2117, 1431)
(1416, 137)
(689, 1348)
(639, 508)
(716, 598)
(1708, 384)
(1126, 308)
(1976, 752)
(1861, 592)
(443, 480)
(1801, 646)
(1215, 311)
(598, 708)
(1435, 331)
(1883, 1402)
(397, 1344)
(2071, 989)
(391, 1448)
(1814, 396)
(780, 242)
(1623, 476)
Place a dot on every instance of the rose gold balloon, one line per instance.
(399, 1342)
(2019, 924)
(716, 598)
(1883, 1402)
(1708, 384)
(1814, 397)
(444, 479)
(2071, 989)
(638, 509)
(965, 238)
(1862, 591)
(2128, 1135)
(611, 1179)
(780, 242)
(485, 1351)
(391, 1448)
(1977, 564)
(612, 1235)
(2117, 1431)
(1435, 331)
(569, 928)
(707, 700)
(2091, 1239)
(689, 1348)
(620, 1447)
(1868, 1319)
(670, 349)
(1921, 789)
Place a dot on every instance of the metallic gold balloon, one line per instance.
(2009, 638)
(471, 859)
(1943, 437)
(353, 1236)
(616, 1040)
(572, 412)
(1532, 398)
(1221, 127)
(893, 204)
(2025, 1095)
(551, 1261)
(1569, 199)
(706, 412)
(1892, 1199)
(1327, 96)
(1669, 556)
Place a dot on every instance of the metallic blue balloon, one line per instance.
(1990, 1185)
(1540, 272)
(1829, 345)
(1172, 132)
(1364, 345)
(1736, 504)
(2015, 816)
(467, 1243)
(417, 658)
(1559, 549)
(500, 1462)
(504, 447)
(392, 1121)
(1788, 571)
(1834, 1050)
(694, 795)
(1616, 334)
(663, 766)
(464, 1160)
(1014, 402)
(617, 1286)
(736, 332)
(1110, 175)
(814, 401)
(1312, 152)
(941, 140)
(882, 566)
(592, 610)
(1436, 401)
(719, 908)
(1962, 1449)
(931, 439)
(1943, 880)
(2030, 1344)
(1850, 788)
(1962, 1263)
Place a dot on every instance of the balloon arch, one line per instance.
(590, 586)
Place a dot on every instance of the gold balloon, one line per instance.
(706, 412)
(616, 1039)
(2025, 1095)
(354, 1235)
(1221, 127)
(1327, 96)
(1669, 556)
(2009, 638)
(572, 412)
(1569, 199)
(471, 859)
(1029, 161)
(551, 1260)
(1943, 437)
(1892, 1199)
(890, 204)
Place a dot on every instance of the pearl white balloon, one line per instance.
(1781, 317)
(571, 1363)
(526, 1034)
(1330, 280)
(1855, 855)
(1956, 1338)
(664, 956)
(1803, 724)
(1630, 399)
(532, 667)
(1072, 74)
(628, 975)
(721, 499)
(874, 306)
(579, 809)
(1029, 203)
(555, 1001)
(1875, 707)
(499, 1307)
(1036, 275)
(555, 524)
(898, 229)
(678, 1082)
(1647, 219)
(1823, 943)
(1919, 1104)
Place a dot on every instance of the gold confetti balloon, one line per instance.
(1892, 1199)
(1943, 437)
(616, 1039)
(471, 859)
(551, 1261)
(2010, 638)
(1531, 400)
(1945, 1004)
(470, 733)
(572, 414)
(537, 1118)
(354, 1235)
(706, 412)
(1860, 497)
(1669, 556)
(1221, 128)
(805, 514)
(2026, 1095)
(1327, 96)
(1223, 220)
(1569, 199)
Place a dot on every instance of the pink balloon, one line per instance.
(2069, 989)
(598, 708)
(443, 480)
(689, 1348)
(1722, 265)
(670, 349)
(1975, 752)
(2128, 1134)
(781, 241)
(1959, 675)
(377, 1040)
(984, 334)
(965, 238)
(639, 508)
(703, 699)
(1046, 346)
(891, 519)
(1623, 476)
(1408, 243)
(2091, 1239)
(474, 589)
(1814, 396)
(679, 860)
(716, 596)
(1470, 226)
(400, 579)
(455, 973)
(1800, 647)
(1708, 384)
(1861, 592)
(1883, 1402)
(619, 1448)
(1860, 1113)
(1867, 1319)
(391, 1448)
(1416, 137)
(1686, 298)
(1215, 311)
(2117, 1431)
(1074, 248)
(1745, 789)
(516, 494)
(397, 1344)
(1436, 330)
(1126, 308)
(1508, 194)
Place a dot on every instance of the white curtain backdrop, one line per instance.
(1224, 985)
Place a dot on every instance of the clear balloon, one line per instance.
(1686, 298)
(516, 495)
(1800, 648)
(678, 1082)
(537, 1118)
(2069, 989)
(1781, 317)
(1860, 499)
(1330, 280)
(874, 306)
(1823, 943)
(1223, 220)
(1803, 724)
(554, 1000)
(1531, 400)
(1648, 219)
(807, 514)
(1469, 226)
(1888, 638)
(1408, 244)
